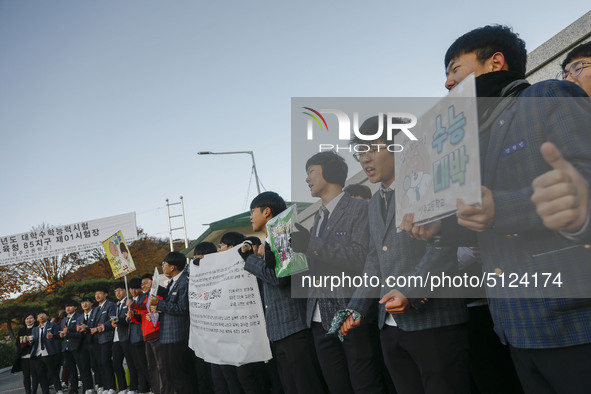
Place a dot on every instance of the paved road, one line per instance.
(10, 383)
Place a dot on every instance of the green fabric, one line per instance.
(338, 320)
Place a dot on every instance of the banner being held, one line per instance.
(227, 318)
(279, 229)
(444, 163)
(118, 255)
(154, 292)
(55, 241)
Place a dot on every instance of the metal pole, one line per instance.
(256, 175)
(249, 152)
(126, 288)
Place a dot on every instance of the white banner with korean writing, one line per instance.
(227, 318)
(444, 163)
(59, 240)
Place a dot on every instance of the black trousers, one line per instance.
(30, 380)
(254, 378)
(86, 367)
(489, 358)
(72, 361)
(225, 379)
(431, 361)
(138, 353)
(558, 370)
(95, 355)
(203, 372)
(350, 366)
(179, 366)
(105, 351)
(297, 364)
(275, 380)
(156, 363)
(121, 350)
(47, 366)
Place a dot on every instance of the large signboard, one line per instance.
(55, 241)
(227, 318)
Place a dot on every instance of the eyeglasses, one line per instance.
(574, 70)
(370, 154)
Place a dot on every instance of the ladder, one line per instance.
(181, 215)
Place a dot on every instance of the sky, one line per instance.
(105, 104)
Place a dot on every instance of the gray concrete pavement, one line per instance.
(11, 383)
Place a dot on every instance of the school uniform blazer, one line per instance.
(86, 338)
(174, 312)
(123, 326)
(519, 243)
(341, 249)
(135, 329)
(395, 253)
(50, 344)
(284, 315)
(102, 316)
(73, 339)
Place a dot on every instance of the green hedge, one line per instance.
(7, 353)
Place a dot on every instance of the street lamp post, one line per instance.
(249, 152)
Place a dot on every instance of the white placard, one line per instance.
(444, 164)
(227, 318)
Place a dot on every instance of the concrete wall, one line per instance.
(544, 61)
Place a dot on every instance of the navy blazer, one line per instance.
(52, 345)
(394, 253)
(283, 315)
(103, 316)
(135, 329)
(85, 336)
(541, 316)
(123, 326)
(73, 338)
(342, 248)
(174, 312)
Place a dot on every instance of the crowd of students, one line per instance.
(382, 340)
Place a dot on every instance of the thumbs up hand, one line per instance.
(561, 195)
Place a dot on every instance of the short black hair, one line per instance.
(135, 283)
(102, 288)
(255, 241)
(205, 248)
(357, 189)
(371, 125)
(177, 259)
(334, 168)
(583, 50)
(27, 315)
(232, 238)
(120, 285)
(86, 299)
(42, 311)
(486, 41)
(147, 276)
(71, 303)
(269, 200)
